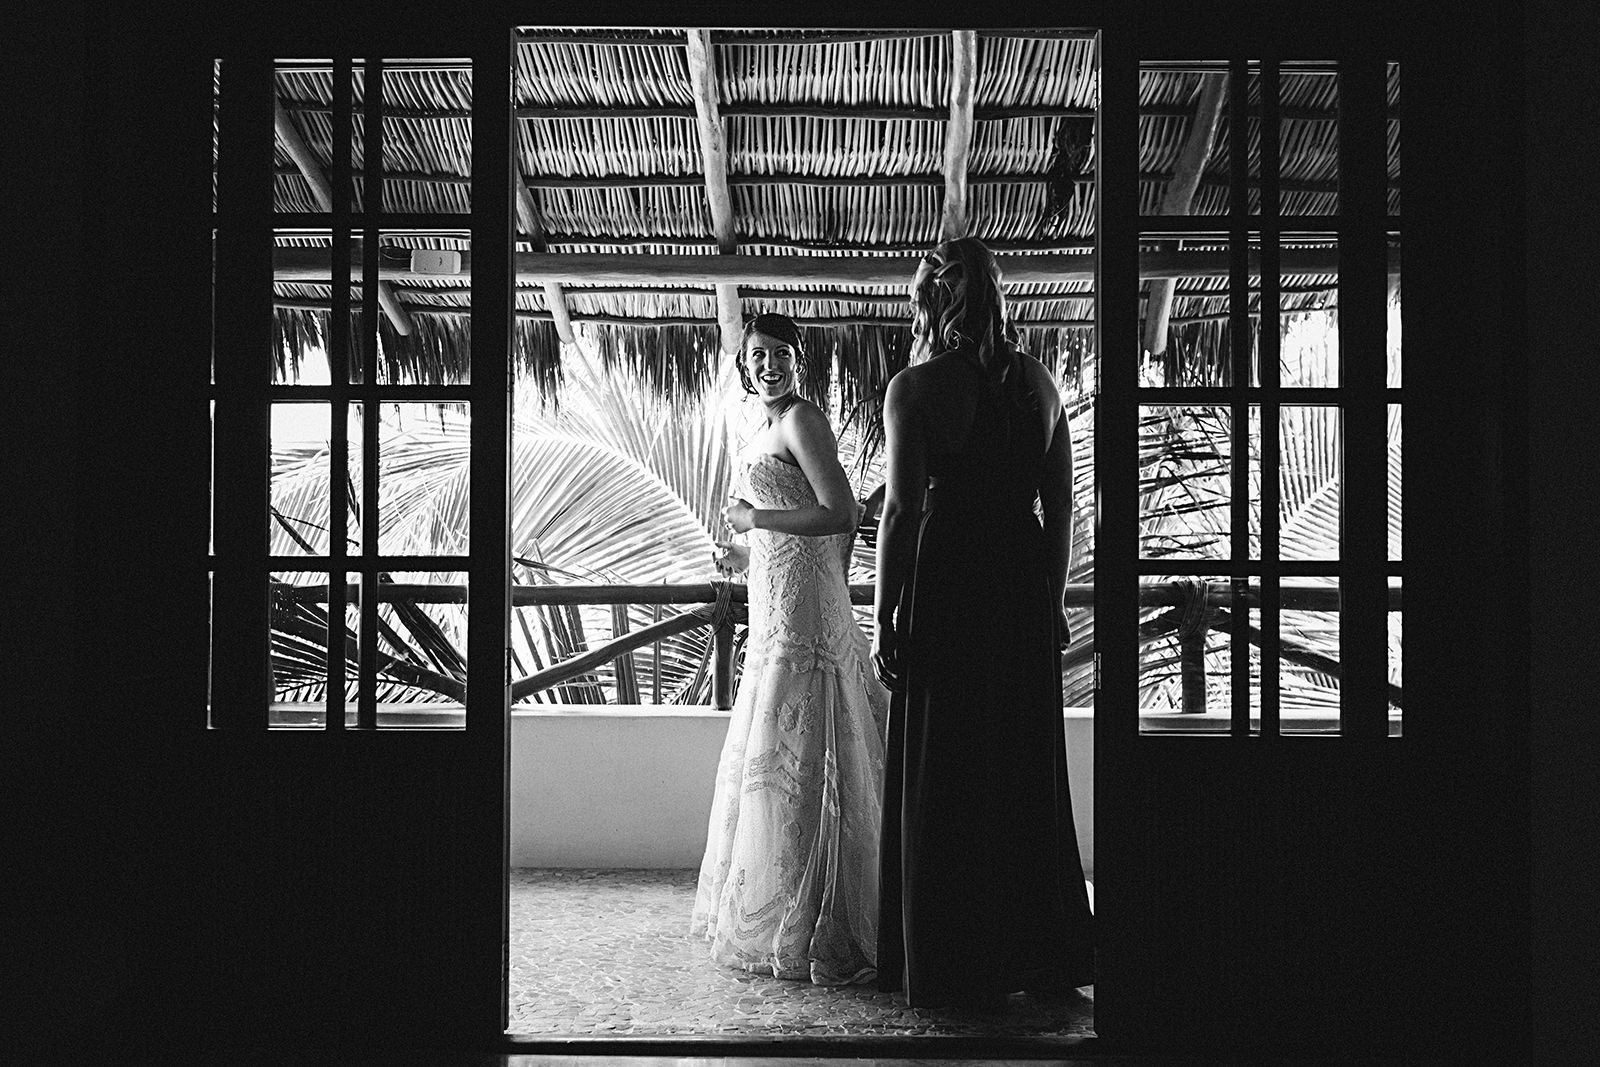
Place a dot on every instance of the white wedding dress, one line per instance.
(789, 882)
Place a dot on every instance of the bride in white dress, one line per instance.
(789, 882)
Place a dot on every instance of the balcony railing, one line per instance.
(1193, 608)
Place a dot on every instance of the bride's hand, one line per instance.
(739, 515)
(1063, 628)
(886, 658)
(730, 558)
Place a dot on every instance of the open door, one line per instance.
(358, 706)
(1274, 852)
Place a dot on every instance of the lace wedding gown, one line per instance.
(789, 882)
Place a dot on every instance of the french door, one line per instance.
(1251, 768)
(1260, 867)
(401, 831)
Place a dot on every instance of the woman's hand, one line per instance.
(1063, 628)
(730, 558)
(740, 515)
(886, 657)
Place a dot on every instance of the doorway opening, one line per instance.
(692, 180)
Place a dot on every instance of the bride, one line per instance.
(789, 882)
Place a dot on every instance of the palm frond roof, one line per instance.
(835, 146)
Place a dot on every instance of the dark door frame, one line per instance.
(1475, 723)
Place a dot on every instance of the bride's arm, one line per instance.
(805, 432)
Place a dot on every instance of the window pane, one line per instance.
(1394, 311)
(1185, 334)
(1253, 513)
(1308, 656)
(211, 483)
(297, 519)
(423, 479)
(1186, 656)
(355, 488)
(216, 109)
(426, 136)
(1396, 626)
(302, 295)
(1308, 139)
(1395, 496)
(352, 655)
(303, 135)
(1308, 320)
(1394, 138)
(299, 614)
(424, 298)
(1184, 482)
(211, 640)
(1310, 479)
(1183, 141)
(213, 334)
(422, 649)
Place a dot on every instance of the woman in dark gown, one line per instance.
(982, 891)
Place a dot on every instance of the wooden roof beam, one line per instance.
(764, 109)
(958, 133)
(322, 190)
(745, 37)
(600, 268)
(1178, 197)
(533, 226)
(714, 164)
(902, 321)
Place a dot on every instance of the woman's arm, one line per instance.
(1055, 496)
(805, 432)
(905, 484)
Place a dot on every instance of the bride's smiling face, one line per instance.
(772, 365)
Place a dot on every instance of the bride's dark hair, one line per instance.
(772, 324)
(958, 303)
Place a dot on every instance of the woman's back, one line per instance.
(980, 859)
(948, 391)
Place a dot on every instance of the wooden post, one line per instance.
(722, 665)
(1179, 198)
(958, 133)
(655, 656)
(533, 226)
(1192, 666)
(1194, 621)
(714, 163)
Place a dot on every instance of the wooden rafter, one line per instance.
(714, 163)
(842, 181)
(322, 191)
(762, 109)
(533, 227)
(904, 321)
(1178, 197)
(598, 268)
(758, 109)
(958, 133)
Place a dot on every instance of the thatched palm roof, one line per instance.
(834, 144)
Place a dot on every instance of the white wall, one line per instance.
(631, 786)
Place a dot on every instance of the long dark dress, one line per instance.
(982, 890)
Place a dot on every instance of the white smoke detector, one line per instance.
(435, 261)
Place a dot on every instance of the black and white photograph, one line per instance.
(643, 536)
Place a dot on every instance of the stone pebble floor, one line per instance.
(600, 952)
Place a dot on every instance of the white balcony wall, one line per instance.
(631, 786)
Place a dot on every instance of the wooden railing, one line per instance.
(1192, 609)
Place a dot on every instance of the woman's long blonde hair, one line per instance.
(957, 302)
